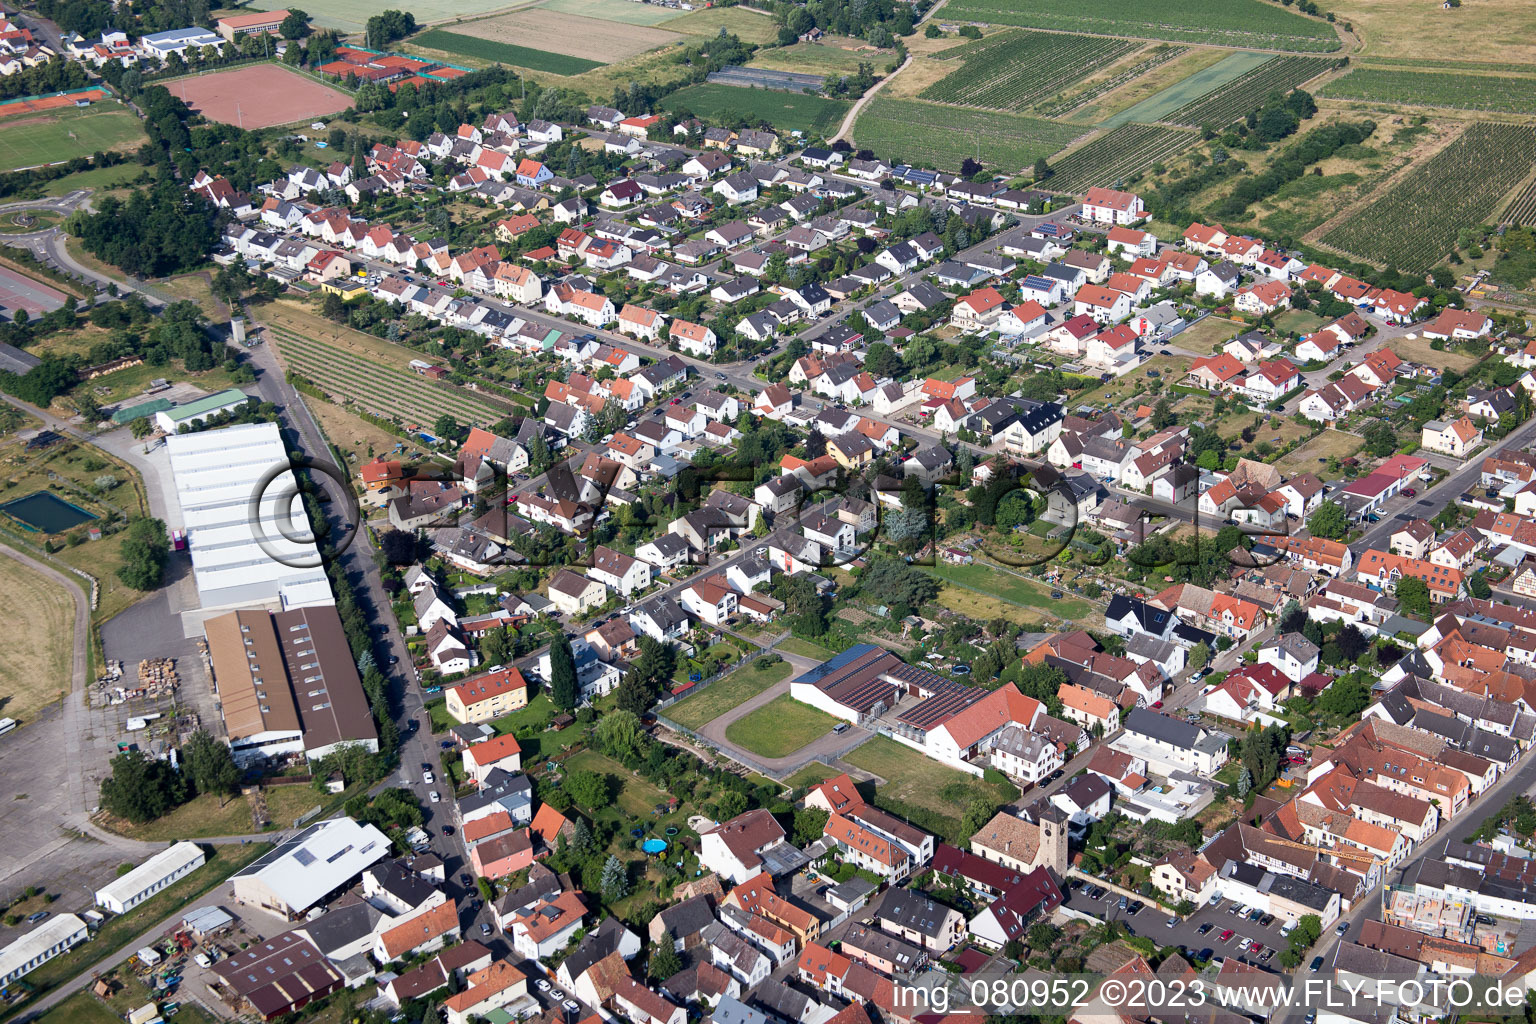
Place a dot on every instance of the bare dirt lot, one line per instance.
(258, 96)
(570, 34)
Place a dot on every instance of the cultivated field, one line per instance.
(1522, 209)
(1491, 30)
(747, 25)
(931, 135)
(1218, 22)
(380, 390)
(626, 12)
(39, 139)
(1015, 70)
(352, 15)
(1401, 86)
(1106, 80)
(1116, 156)
(1191, 61)
(1186, 90)
(35, 673)
(459, 45)
(573, 35)
(784, 110)
(1225, 105)
(258, 96)
(1415, 223)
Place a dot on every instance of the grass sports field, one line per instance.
(1155, 108)
(37, 139)
(35, 673)
(786, 111)
(462, 45)
(1218, 22)
(929, 135)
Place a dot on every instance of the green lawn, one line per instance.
(735, 689)
(1299, 321)
(811, 774)
(786, 111)
(804, 648)
(637, 798)
(1017, 590)
(47, 140)
(780, 727)
(81, 1008)
(915, 784)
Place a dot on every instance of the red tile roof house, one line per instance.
(1108, 206)
(1262, 298)
(502, 856)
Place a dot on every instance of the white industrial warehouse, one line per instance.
(161, 870)
(241, 559)
(54, 936)
(306, 869)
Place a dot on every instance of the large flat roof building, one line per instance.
(163, 869)
(245, 554)
(306, 869)
(286, 683)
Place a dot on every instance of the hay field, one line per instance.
(36, 672)
(570, 34)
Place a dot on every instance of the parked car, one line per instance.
(34, 918)
(1317, 964)
(1204, 929)
(1267, 920)
(1225, 936)
(1342, 928)
(434, 797)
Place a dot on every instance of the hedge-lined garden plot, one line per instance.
(380, 390)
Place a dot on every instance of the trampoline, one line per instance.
(46, 512)
(671, 830)
(637, 832)
(654, 846)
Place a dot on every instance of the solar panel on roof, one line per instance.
(304, 857)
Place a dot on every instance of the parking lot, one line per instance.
(1202, 930)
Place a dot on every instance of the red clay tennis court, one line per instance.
(258, 96)
(35, 103)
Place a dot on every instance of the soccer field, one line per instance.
(54, 138)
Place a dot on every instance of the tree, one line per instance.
(447, 428)
(563, 690)
(615, 884)
(892, 582)
(664, 962)
(1352, 643)
(1043, 935)
(296, 25)
(809, 824)
(1329, 521)
(1162, 414)
(581, 834)
(209, 765)
(589, 789)
(141, 788)
(1199, 656)
(143, 553)
(1345, 698)
(1413, 597)
(619, 734)
(398, 546)
(634, 694)
(1380, 439)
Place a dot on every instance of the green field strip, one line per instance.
(504, 53)
(1181, 94)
